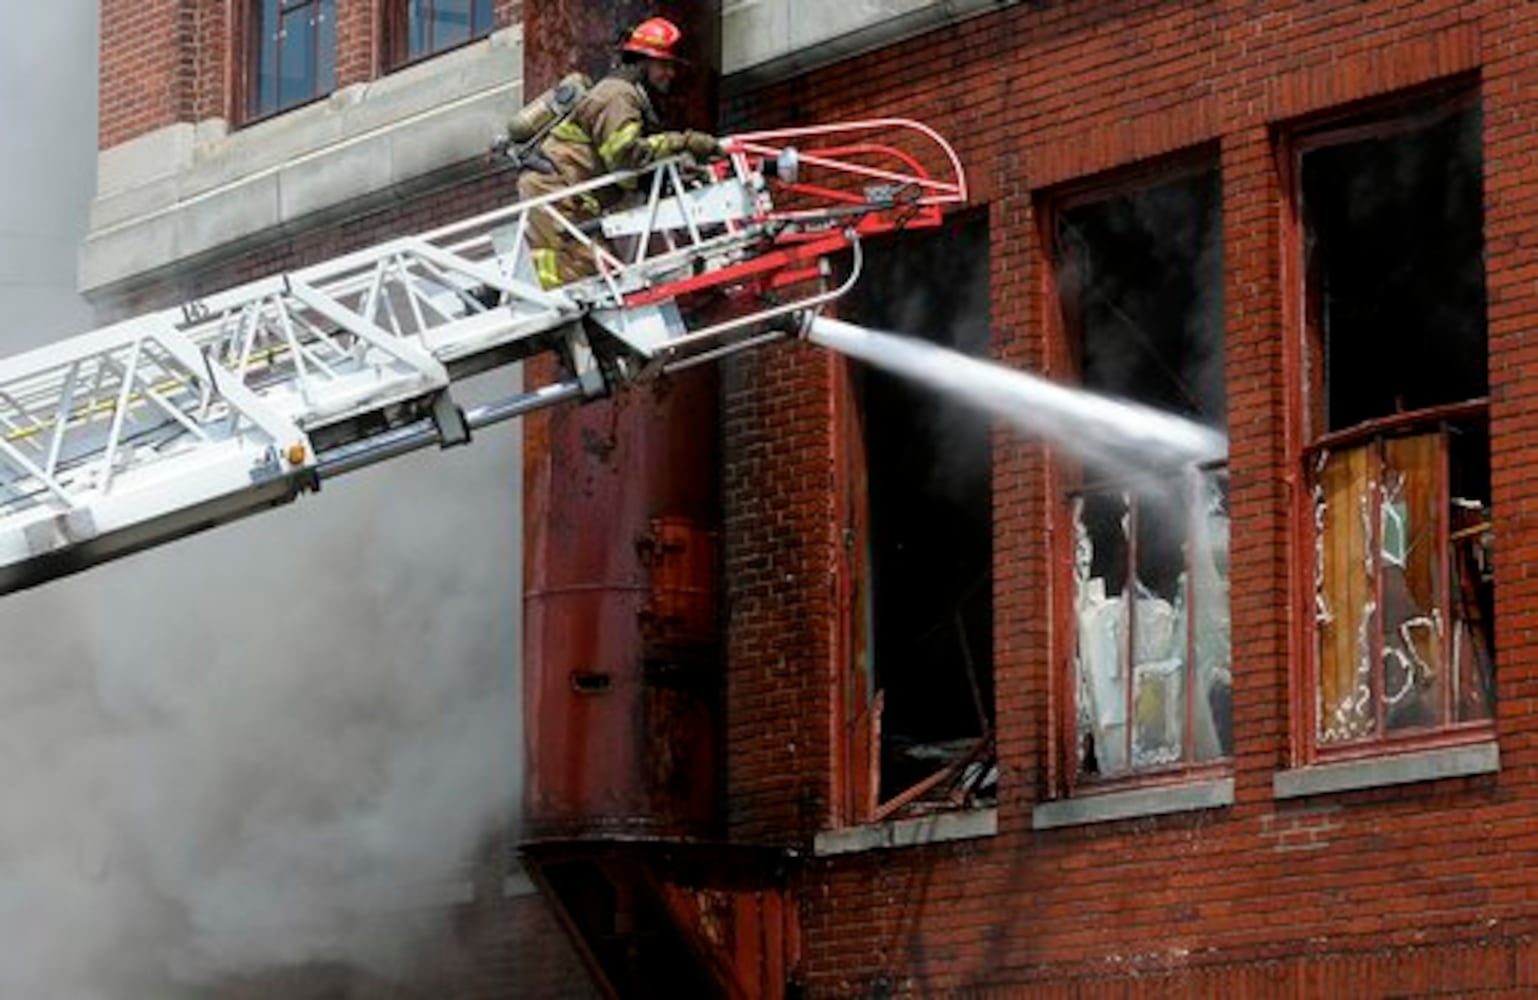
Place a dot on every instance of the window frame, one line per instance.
(248, 53)
(393, 26)
(1307, 435)
(1065, 480)
(1186, 769)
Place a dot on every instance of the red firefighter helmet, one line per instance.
(654, 38)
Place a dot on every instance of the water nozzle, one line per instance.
(786, 168)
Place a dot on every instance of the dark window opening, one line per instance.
(416, 29)
(292, 45)
(1394, 237)
(1139, 279)
(1397, 450)
(929, 473)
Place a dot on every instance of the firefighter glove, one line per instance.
(702, 146)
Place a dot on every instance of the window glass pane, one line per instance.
(325, 54)
(451, 23)
(296, 62)
(434, 25)
(293, 53)
(264, 54)
(418, 16)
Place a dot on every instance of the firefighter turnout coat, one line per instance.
(614, 127)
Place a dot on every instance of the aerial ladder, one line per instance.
(164, 424)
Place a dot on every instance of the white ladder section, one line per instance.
(175, 421)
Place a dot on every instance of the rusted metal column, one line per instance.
(621, 656)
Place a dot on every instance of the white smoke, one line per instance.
(256, 747)
(268, 747)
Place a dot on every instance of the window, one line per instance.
(415, 29)
(292, 54)
(1138, 281)
(1395, 444)
(921, 539)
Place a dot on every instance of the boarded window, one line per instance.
(1139, 281)
(292, 45)
(1397, 456)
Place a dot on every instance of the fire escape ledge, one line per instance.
(967, 824)
(1378, 772)
(1134, 803)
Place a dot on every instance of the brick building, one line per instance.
(989, 718)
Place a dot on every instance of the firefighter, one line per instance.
(614, 126)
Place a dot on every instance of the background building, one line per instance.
(971, 715)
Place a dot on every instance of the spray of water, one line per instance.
(1093, 428)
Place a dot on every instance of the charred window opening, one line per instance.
(1394, 237)
(928, 470)
(1139, 280)
(1398, 456)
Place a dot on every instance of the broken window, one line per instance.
(1139, 282)
(1397, 452)
(923, 597)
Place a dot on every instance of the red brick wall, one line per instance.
(168, 61)
(1401, 890)
(145, 68)
(780, 538)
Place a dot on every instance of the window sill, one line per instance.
(1135, 803)
(938, 828)
(1378, 772)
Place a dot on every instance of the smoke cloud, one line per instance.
(270, 746)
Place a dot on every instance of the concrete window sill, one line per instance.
(1378, 772)
(939, 828)
(1134, 803)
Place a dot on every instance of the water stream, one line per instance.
(1093, 428)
